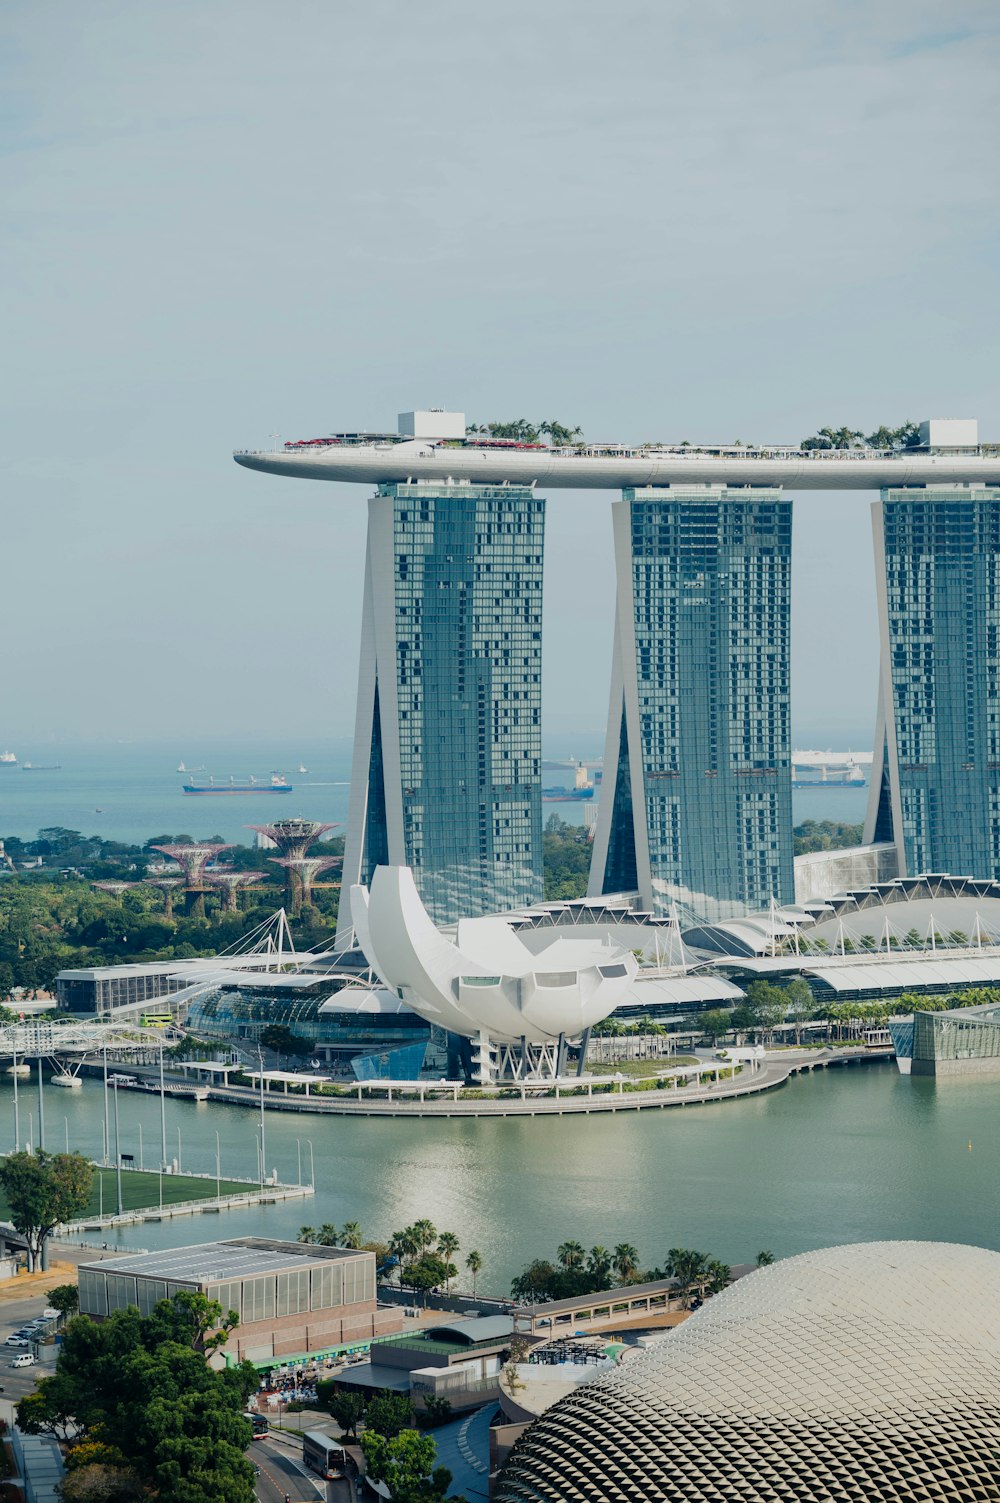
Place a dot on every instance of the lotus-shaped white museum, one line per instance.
(521, 1007)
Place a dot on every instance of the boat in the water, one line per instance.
(8, 759)
(276, 784)
(41, 767)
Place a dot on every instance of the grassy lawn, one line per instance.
(641, 1069)
(140, 1190)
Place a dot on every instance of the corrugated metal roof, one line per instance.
(900, 975)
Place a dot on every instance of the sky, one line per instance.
(227, 221)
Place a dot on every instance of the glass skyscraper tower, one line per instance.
(696, 804)
(936, 777)
(447, 753)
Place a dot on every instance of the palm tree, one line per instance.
(425, 1232)
(474, 1263)
(327, 1235)
(447, 1246)
(307, 1234)
(717, 1276)
(690, 1269)
(350, 1235)
(599, 1265)
(764, 1258)
(625, 1261)
(571, 1255)
(404, 1248)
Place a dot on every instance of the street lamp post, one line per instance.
(312, 1168)
(163, 1117)
(118, 1154)
(17, 1111)
(263, 1141)
(298, 1160)
(41, 1106)
(107, 1126)
(218, 1168)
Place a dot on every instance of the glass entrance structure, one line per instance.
(447, 753)
(696, 810)
(936, 777)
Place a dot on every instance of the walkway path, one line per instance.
(777, 1069)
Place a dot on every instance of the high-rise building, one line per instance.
(696, 803)
(447, 751)
(936, 775)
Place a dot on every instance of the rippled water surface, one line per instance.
(843, 1155)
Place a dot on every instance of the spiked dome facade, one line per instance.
(866, 1372)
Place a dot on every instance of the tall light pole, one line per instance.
(263, 1147)
(312, 1169)
(179, 1151)
(17, 1111)
(218, 1168)
(140, 1146)
(163, 1117)
(298, 1159)
(41, 1106)
(107, 1126)
(118, 1153)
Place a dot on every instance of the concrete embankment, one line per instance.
(777, 1068)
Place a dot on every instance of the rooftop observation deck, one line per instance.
(377, 458)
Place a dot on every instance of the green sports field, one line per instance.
(141, 1190)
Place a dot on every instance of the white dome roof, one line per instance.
(866, 1371)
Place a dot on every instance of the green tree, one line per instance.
(43, 1191)
(716, 1022)
(65, 1298)
(690, 1269)
(328, 1236)
(389, 1414)
(474, 1263)
(599, 1266)
(764, 1258)
(141, 1387)
(350, 1235)
(571, 1254)
(347, 1409)
(425, 1233)
(448, 1245)
(406, 1465)
(625, 1261)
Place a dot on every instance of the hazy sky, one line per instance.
(228, 220)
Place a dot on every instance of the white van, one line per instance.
(24, 1359)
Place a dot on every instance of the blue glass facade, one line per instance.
(700, 808)
(940, 609)
(457, 695)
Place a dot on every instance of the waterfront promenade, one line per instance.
(450, 1102)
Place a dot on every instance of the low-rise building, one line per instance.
(293, 1298)
(458, 1360)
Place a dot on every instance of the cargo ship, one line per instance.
(276, 784)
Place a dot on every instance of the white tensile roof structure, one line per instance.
(862, 1372)
(485, 980)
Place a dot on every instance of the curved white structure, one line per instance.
(486, 984)
(868, 1372)
(418, 459)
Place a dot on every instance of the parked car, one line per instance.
(16, 1341)
(23, 1359)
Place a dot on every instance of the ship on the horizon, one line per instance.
(41, 766)
(276, 784)
(8, 759)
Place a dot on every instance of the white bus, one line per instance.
(322, 1455)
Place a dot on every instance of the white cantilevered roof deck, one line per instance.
(586, 468)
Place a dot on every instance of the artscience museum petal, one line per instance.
(486, 984)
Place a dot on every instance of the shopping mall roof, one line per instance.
(896, 975)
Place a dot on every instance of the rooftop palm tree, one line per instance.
(625, 1261)
(474, 1263)
(571, 1254)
